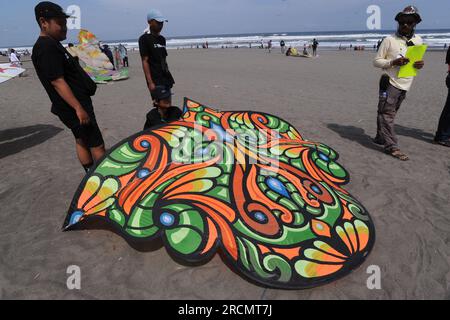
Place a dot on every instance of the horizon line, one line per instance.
(280, 33)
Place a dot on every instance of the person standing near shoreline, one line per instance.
(269, 46)
(443, 133)
(124, 55)
(14, 59)
(390, 57)
(107, 51)
(117, 59)
(315, 44)
(283, 46)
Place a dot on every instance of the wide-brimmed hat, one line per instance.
(409, 11)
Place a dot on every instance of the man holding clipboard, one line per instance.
(391, 58)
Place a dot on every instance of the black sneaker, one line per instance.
(445, 143)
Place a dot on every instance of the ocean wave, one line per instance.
(432, 37)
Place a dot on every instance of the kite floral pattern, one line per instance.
(246, 183)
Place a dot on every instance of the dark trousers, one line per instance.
(443, 132)
(388, 107)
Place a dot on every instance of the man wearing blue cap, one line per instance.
(152, 47)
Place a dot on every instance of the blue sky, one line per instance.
(126, 19)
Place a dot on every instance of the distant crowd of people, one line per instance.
(70, 89)
(118, 56)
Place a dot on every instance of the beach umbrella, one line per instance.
(245, 184)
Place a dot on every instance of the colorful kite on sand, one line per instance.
(94, 61)
(8, 71)
(103, 75)
(245, 184)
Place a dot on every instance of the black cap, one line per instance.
(49, 10)
(161, 93)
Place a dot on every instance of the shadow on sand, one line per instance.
(359, 135)
(15, 140)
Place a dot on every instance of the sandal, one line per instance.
(398, 155)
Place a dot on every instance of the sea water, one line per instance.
(330, 40)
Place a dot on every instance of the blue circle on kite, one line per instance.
(143, 173)
(277, 186)
(203, 151)
(75, 218)
(260, 217)
(145, 144)
(316, 189)
(324, 157)
(167, 219)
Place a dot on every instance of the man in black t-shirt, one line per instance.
(67, 85)
(443, 133)
(152, 47)
(315, 44)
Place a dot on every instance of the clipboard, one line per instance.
(414, 54)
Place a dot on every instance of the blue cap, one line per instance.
(156, 15)
(161, 93)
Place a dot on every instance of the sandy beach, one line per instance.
(331, 99)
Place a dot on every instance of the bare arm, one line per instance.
(66, 93)
(148, 73)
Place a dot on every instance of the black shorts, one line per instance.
(89, 134)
